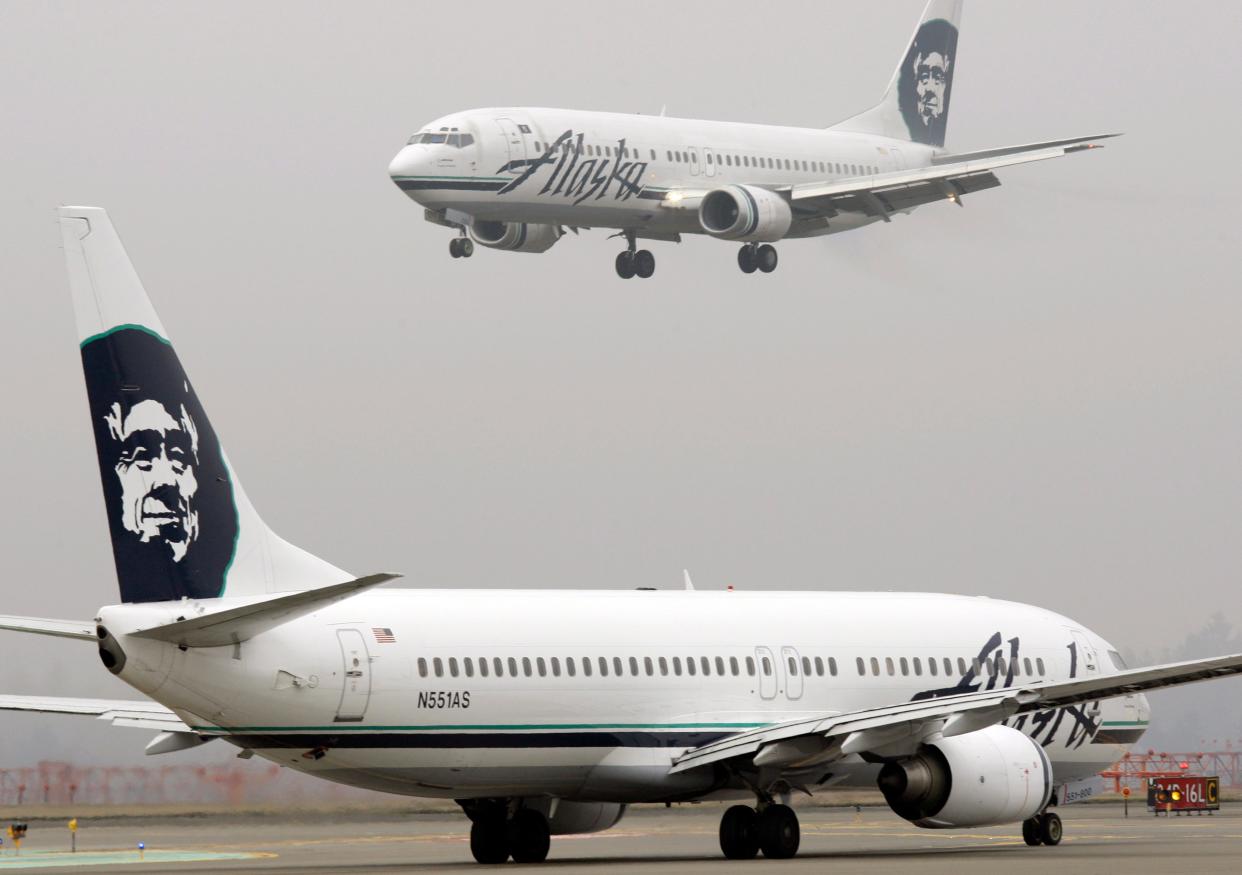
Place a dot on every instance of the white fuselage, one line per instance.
(633, 172)
(591, 695)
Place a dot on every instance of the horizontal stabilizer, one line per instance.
(137, 714)
(83, 631)
(234, 625)
(958, 157)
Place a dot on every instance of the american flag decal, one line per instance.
(383, 636)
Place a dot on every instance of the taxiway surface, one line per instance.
(650, 840)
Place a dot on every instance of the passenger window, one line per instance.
(832, 666)
(875, 666)
(663, 667)
(694, 157)
(905, 666)
(1039, 665)
(750, 666)
(690, 666)
(948, 667)
(767, 666)
(1000, 666)
(483, 666)
(438, 667)
(707, 666)
(556, 667)
(603, 666)
(469, 667)
(586, 666)
(889, 667)
(648, 666)
(918, 667)
(961, 666)
(1026, 664)
(862, 669)
(931, 666)
(806, 665)
(542, 665)
(720, 666)
(793, 666)
(669, 154)
(526, 666)
(733, 665)
(653, 155)
(453, 666)
(677, 666)
(709, 158)
(617, 667)
(422, 667)
(512, 668)
(571, 669)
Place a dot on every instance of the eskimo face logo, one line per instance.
(926, 80)
(166, 486)
(155, 465)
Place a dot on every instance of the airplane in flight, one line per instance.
(548, 712)
(515, 178)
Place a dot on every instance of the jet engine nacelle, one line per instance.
(515, 236)
(569, 818)
(991, 776)
(744, 212)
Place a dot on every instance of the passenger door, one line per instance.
(356, 665)
(709, 162)
(515, 142)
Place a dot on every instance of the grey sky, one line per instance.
(1034, 397)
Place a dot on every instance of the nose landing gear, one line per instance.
(461, 247)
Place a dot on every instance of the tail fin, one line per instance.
(181, 524)
(916, 105)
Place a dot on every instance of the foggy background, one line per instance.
(1035, 397)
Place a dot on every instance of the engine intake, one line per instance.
(744, 212)
(515, 236)
(992, 776)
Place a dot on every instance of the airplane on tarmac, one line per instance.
(514, 178)
(548, 712)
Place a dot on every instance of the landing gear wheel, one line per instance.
(1030, 831)
(465, 247)
(746, 258)
(739, 833)
(529, 837)
(1050, 829)
(779, 835)
(644, 263)
(455, 247)
(488, 840)
(625, 265)
(765, 258)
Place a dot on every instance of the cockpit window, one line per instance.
(429, 138)
(1118, 662)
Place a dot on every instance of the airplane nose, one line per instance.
(400, 164)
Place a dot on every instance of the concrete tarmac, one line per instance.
(649, 840)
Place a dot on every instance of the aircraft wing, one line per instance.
(120, 712)
(949, 178)
(824, 737)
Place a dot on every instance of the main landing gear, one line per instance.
(495, 836)
(1042, 829)
(771, 828)
(461, 247)
(635, 262)
(753, 256)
